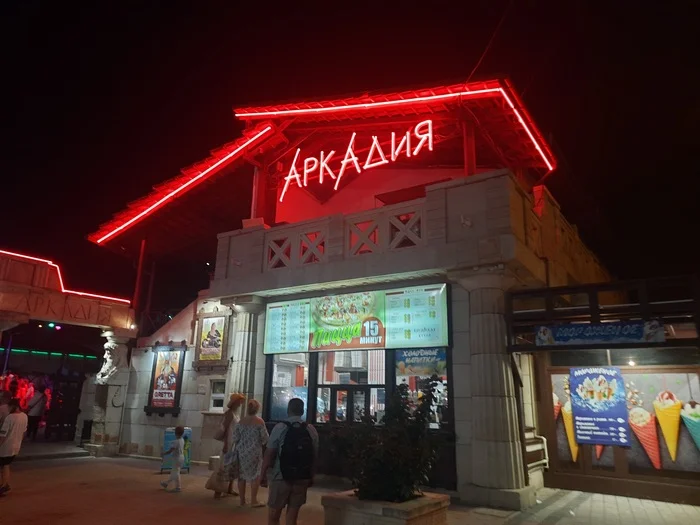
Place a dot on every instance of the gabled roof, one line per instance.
(506, 131)
(495, 97)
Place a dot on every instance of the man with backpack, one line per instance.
(290, 458)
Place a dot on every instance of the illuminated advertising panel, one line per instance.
(413, 317)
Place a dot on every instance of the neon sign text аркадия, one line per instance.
(421, 135)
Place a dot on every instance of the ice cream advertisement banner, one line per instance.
(599, 406)
(663, 414)
(600, 333)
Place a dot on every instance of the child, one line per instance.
(178, 452)
(13, 428)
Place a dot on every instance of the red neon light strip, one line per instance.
(367, 105)
(527, 129)
(60, 278)
(427, 98)
(186, 185)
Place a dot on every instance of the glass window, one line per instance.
(341, 405)
(579, 358)
(377, 404)
(323, 405)
(358, 402)
(416, 369)
(654, 356)
(355, 367)
(218, 395)
(290, 379)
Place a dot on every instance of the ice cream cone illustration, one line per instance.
(691, 417)
(668, 413)
(569, 427)
(599, 451)
(557, 405)
(644, 427)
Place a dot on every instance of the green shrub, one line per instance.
(390, 461)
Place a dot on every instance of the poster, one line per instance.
(212, 339)
(166, 379)
(168, 438)
(287, 327)
(413, 317)
(424, 362)
(351, 321)
(663, 417)
(417, 369)
(599, 406)
(600, 333)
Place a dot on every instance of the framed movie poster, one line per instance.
(166, 380)
(212, 337)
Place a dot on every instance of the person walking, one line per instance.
(11, 434)
(5, 398)
(35, 411)
(249, 438)
(177, 450)
(222, 479)
(289, 464)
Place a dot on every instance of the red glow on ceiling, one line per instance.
(133, 216)
(60, 278)
(409, 100)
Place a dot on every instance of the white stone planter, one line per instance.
(343, 508)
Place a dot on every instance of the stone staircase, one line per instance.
(536, 456)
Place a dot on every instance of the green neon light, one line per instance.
(55, 354)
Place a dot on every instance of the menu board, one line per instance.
(414, 317)
(287, 327)
(599, 406)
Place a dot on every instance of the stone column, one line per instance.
(243, 352)
(496, 464)
(111, 384)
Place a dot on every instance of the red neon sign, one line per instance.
(421, 132)
(404, 101)
(194, 180)
(60, 278)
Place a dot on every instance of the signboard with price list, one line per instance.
(414, 317)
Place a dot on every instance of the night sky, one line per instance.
(101, 102)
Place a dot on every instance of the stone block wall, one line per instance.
(143, 434)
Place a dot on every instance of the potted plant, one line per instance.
(389, 462)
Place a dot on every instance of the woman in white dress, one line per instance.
(226, 474)
(250, 437)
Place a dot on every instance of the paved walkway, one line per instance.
(121, 490)
(50, 450)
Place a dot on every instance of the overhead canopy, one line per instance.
(186, 212)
